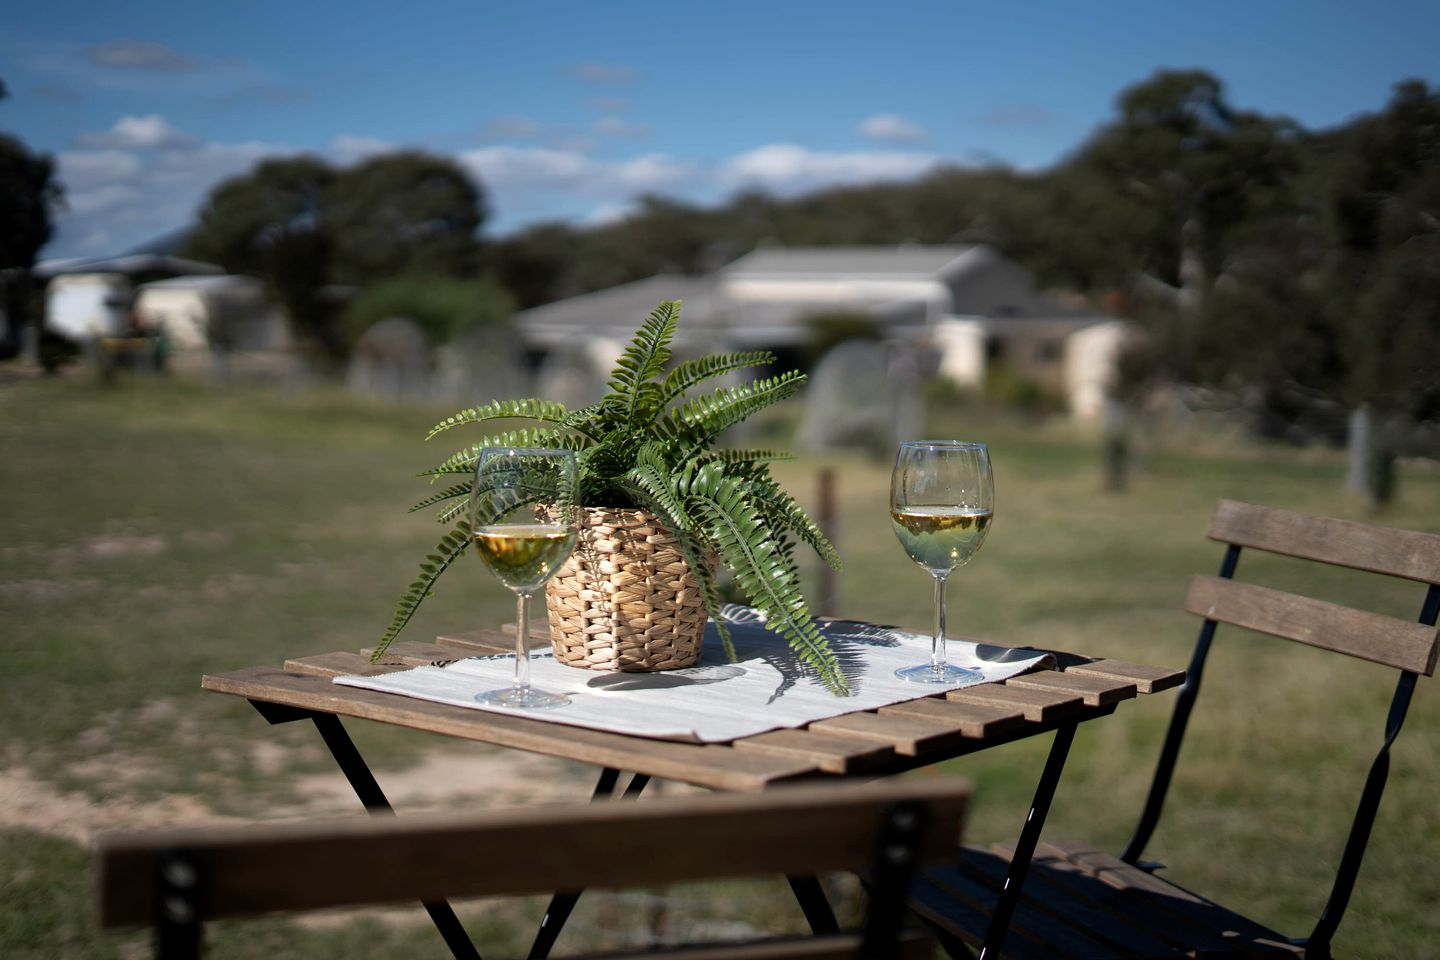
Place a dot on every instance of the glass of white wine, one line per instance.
(523, 523)
(942, 502)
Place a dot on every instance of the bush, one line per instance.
(444, 308)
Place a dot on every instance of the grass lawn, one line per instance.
(158, 531)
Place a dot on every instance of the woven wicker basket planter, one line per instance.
(625, 599)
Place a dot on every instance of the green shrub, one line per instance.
(443, 307)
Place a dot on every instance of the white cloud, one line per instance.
(150, 132)
(82, 170)
(607, 213)
(789, 167)
(655, 171)
(116, 198)
(101, 198)
(891, 127)
(529, 166)
(143, 178)
(348, 149)
(139, 55)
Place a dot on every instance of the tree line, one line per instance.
(1301, 267)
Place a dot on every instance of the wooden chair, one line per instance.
(178, 879)
(1081, 902)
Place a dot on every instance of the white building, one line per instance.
(969, 304)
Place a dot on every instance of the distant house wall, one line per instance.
(1091, 358)
(221, 312)
(961, 344)
(182, 315)
(84, 305)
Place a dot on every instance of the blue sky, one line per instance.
(568, 110)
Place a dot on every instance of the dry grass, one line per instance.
(160, 531)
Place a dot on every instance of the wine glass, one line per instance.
(523, 524)
(942, 501)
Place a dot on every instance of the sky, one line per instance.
(570, 110)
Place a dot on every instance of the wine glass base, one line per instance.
(939, 673)
(527, 698)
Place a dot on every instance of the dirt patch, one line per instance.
(34, 804)
(455, 779)
(452, 778)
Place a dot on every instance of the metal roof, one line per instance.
(619, 311)
(894, 262)
(129, 264)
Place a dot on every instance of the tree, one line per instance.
(1186, 170)
(533, 264)
(29, 195)
(404, 213)
(299, 224)
(270, 223)
(1385, 206)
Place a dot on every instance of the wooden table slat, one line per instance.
(972, 719)
(1039, 705)
(1097, 691)
(907, 736)
(339, 664)
(708, 765)
(833, 754)
(479, 642)
(416, 653)
(1147, 679)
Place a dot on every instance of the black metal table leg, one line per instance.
(1025, 845)
(363, 782)
(563, 902)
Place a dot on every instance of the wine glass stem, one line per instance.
(522, 639)
(937, 645)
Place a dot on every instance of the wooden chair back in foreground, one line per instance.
(178, 879)
(1082, 902)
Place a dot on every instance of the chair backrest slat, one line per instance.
(1345, 543)
(1369, 636)
(302, 866)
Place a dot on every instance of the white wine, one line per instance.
(941, 538)
(524, 556)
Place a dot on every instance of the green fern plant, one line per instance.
(646, 445)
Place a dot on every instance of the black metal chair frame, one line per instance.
(1317, 944)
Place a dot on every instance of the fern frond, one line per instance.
(459, 490)
(760, 566)
(643, 361)
(692, 373)
(702, 419)
(452, 510)
(450, 546)
(545, 411)
(783, 511)
(463, 461)
(740, 456)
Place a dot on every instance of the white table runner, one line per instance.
(715, 700)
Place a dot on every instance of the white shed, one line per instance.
(228, 312)
(1091, 358)
(80, 306)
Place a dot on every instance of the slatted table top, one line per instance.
(865, 743)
